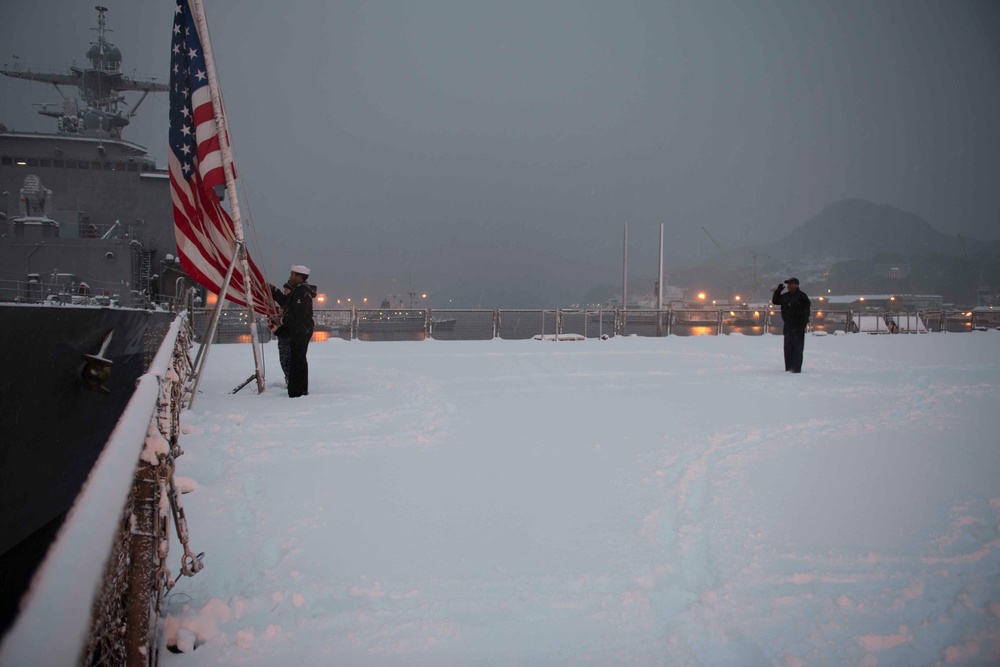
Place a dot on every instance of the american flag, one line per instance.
(206, 237)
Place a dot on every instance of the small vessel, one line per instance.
(744, 316)
(394, 322)
(697, 317)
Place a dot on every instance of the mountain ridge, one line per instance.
(860, 229)
(855, 244)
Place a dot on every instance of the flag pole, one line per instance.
(206, 343)
(227, 168)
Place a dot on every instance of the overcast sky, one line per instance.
(491, 151)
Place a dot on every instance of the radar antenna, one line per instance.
(100, 86)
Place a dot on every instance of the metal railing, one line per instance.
(55, 288)
(519, 324)
(101, 585)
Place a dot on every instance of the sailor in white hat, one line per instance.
(297, 323)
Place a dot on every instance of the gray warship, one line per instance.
(87, 251)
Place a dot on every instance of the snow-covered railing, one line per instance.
(88, 603)
(886, 323)
(527, 323)
(506, 323)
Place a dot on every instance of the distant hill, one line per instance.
(848, 247)
(859, 229)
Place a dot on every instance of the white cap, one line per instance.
(298, 268)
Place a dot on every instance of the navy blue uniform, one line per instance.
(795, 308)
(297, 326)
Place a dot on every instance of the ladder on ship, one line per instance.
(143, 263)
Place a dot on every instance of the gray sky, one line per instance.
(492, 150)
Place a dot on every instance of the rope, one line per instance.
(247, 219)
(249, 228)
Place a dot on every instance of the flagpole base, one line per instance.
(244, 383)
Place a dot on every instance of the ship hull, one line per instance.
(54, 423)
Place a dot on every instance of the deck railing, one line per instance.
(514, 323)
(95, 599)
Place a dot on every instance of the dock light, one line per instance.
(364, 300)
(321, 298)
(892, 298)
(423, 296)
(821, 298)
(701, 295)
(861, 299)
(737, 297)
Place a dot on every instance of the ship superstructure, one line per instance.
(109, 205)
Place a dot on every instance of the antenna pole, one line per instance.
(659, 291)
(625, 268)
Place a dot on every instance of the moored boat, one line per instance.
(399, 324)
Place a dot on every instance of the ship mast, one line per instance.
(100, 86)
